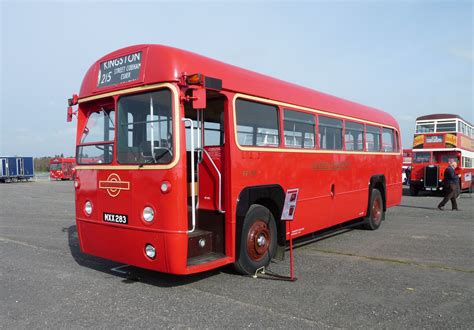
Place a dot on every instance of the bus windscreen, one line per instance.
(145, 128)
(421, 157)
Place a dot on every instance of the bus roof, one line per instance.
(166, 64)
(437, 116)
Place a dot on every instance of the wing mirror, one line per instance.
(71, 102)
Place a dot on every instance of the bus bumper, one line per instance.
(127, 245)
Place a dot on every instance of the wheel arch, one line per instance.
(378, 182)
(270, 196)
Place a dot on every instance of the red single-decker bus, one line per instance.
(184, 162)
(61, 168)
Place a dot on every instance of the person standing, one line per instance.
(450, 184)
(408, 174)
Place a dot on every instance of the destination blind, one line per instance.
(120, 70)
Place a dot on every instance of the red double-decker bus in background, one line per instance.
(438, 139)
(61, 168)
(184, 162)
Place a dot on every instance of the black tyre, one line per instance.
(258, 240)
(414, 190)
(375, 214)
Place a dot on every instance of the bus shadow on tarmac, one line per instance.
(130, 274)
(419, 207)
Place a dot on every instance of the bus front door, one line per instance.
(210, 180)
(206, 157)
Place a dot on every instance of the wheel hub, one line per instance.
(258, 240)
(377, 210)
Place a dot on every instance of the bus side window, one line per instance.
(330, 133)
(372, 138)
(298, 129)
(354, 136)
(467, 163)
(388, 142)
(257, 124)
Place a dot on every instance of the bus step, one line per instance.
(199, 243)
(205, 258)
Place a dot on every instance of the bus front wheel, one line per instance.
(375, 214)
(258, 240)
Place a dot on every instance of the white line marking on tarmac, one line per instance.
(117, 269)
(4, 239)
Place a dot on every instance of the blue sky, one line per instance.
(408, 58)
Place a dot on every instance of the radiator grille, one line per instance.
(431, 176)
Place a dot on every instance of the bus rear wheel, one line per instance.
(258, 240)
(375, 214)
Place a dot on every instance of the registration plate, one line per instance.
(116, 218)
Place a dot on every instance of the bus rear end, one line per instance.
(55, 169)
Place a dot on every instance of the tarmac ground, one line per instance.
(417, 270)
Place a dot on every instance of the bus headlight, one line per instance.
(88, 208)
(148, 214)
(150, 251)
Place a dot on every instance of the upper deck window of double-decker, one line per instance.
(446, 126)
(425, 128)
(465, 129)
